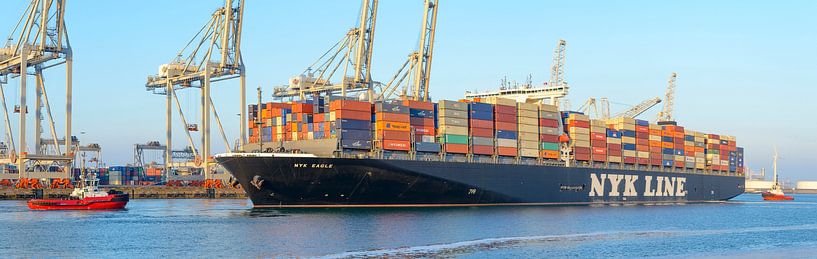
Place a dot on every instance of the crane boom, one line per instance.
(666, 114)
(639, 108)
(418, 66)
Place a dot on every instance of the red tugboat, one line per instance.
(776, 193)
(86, 197)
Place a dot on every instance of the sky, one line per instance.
(745, 68)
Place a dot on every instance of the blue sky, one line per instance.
(746, 68)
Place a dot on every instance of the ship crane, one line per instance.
(639, 109)
(39, 41)
(418, 66)
(597, 109)
(552, 92)
(214, 54)
(665, 116)
(353, 53)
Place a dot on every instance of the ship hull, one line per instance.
(339, 182)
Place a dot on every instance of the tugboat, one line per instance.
(87, 196)
(776, 193)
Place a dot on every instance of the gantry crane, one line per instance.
(353, 52)
(39, 41)
(418, 63)
(552, 92)
(214, 54)
(599, 110)
(665, 116)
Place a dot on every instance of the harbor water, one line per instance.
(742, 227)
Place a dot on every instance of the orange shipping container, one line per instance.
(655, 132)
(456, 148)
(549, 154)
(401, 145)
(428, 106)
(679, 135)
(423, 130)
(642, 148)
(395, 117)
(654, 143)
(667, 145)
(643, 129)
(506, 151)
(349, 105)
(398, 126)
(353, 115)
(667, 133)
(699, 149)
(302, 108)
(506, 126)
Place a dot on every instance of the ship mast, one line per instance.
(774, 167)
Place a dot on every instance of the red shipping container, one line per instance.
(421, 122)
(655, 149)
(506, 151)
(353, 115)
(614, 152)
(713, 136)
(629, 160)
(483, 124)
(394, 117)
(548, 123)
(505, 118)
(598, 136)
(578, 124)
(400, 145)
(642, 135)
(613, 146)
(456, 148)
(506, 126)
(581, 150)
(655, 162)
(643, 142)
(483, 150)
(549, 138)
(582, 157)
(272, 105)
(419, 138)
(598, 143)
(599, 158)
(425, 130)
(302, 108)
(599, 151)
(643, 161)
(485, 133)
(393, 135)
(349, 105)
(502, 109)
(419, 105)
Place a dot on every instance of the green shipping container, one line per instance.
(454, 139)
(550, 146)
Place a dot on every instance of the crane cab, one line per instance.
(192, 127)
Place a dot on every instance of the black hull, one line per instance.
(339, 182)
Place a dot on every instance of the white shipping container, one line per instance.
(448, 121)
(428, 138)
(452, 105)
(689, 159)
(443, 113)
(614, 159)
(549, 131)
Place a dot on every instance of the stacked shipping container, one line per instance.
(528, 129)
(506, 126)
(452, 121)
(392, 128)
(481, 128)
(352, 123)
(549, 121)
(421, 121)
(578, 128)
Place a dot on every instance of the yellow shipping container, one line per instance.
(581, 143)
(700, 166)
(613, 141)
(500, 101)
(528, 128)
(583, 137)
(628, 140)
(679, 158)
(454, 130)
(528, 136)
(528, 121)
(628, 153)
(529, 144)
(395, 126)
(598, 129)
(548, 108)
(598, 123)
(526, 152)
(527, 114)
(577, 116)
(641, 154)
(655, 127)
(614, 159)
(527, 107)
(584, 131)
(655, 138)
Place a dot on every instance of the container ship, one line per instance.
(479, 151)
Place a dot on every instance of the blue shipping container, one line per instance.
(421, 113)
(427, 147)
(506, 134)
(353, 124)
(613, 133)
(354, 134)
(628, 133)
(642, 123)
(669, 163)
(667, 151)
(666, 139)
(485, 107)
(482, 115)
(628, 146)
(391, 108)
(679, 152)
(689, 138)
(356, 143)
